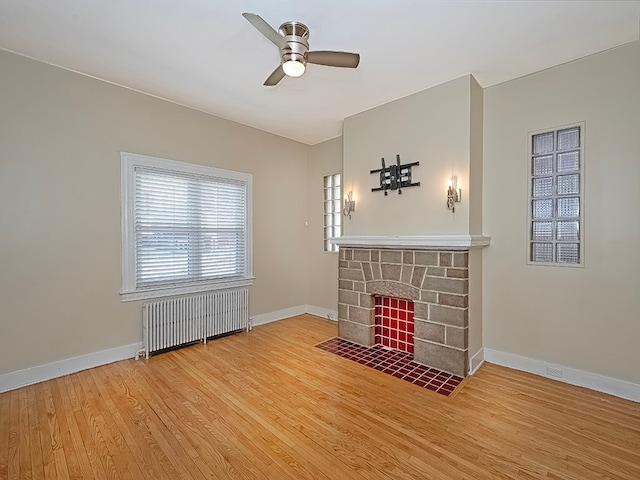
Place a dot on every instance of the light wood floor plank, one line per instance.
(269, 424)
(140, 460)
(57, 469)
(5, 409)
(66, 445)
(173, 443)
(269, 405)
(147, 430)
(35, 428)
(25, 434)
(13, 444)
(44, 425)
(95, 438)
(76, 433)
(219, 421)
(104, 433)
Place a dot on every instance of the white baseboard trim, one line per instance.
(292, 312)
(594, 381)
(40, 373)
(322, 312)
(476, 361)
(277, 315)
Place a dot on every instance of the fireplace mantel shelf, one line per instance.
(420, 242)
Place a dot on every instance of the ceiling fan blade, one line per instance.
(334, 59)
(265, 29)
(275, 77)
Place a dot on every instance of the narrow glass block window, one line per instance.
(555, 200)
(332, 210)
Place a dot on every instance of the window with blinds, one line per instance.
(332, 210)
(185, 227)
(556, 194)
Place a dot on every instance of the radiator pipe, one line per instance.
(139, 352)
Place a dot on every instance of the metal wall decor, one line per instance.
(395, 177)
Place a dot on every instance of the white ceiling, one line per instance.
(205, 55)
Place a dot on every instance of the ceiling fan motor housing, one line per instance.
(295, 35)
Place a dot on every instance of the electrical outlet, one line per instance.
(554, 372)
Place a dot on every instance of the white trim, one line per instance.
(40, 373)
(292, 312)
(172, 291)
(278, 315)
(476, 361)
(322, 312)
(456, 242)
(594, 381)
(128, 164)
(48, 371)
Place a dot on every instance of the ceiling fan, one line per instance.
(291, 39)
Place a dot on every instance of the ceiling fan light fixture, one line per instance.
(293, 68)
(292, 42)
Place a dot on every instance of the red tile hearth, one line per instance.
(398, 364)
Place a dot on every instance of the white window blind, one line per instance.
(187, 227)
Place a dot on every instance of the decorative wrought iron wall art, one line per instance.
(395, 177)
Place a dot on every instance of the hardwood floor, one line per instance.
(268, 405)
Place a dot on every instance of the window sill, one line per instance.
(146, 294)
(555, 264)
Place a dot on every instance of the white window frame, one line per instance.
(333, 247)
(581, 195)
(131, 161)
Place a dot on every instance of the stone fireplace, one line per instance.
(435, 278)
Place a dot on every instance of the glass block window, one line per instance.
(332, 210)
(555, 200)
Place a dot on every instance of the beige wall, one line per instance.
(60, 139)
(585, 318)
(475, 193)
(322, 267)
(61, 135)
(431, 127)
(475, 308)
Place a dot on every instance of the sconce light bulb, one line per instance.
(349, 205)
(453, 194)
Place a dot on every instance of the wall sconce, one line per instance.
(453, 194)
(349, 205)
